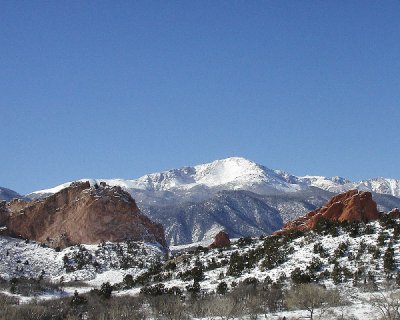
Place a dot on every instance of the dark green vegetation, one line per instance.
(252, 276)
(248, 298)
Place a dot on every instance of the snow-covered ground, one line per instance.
(91, 265)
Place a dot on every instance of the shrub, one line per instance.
(275, 251)
(193, 288)
(128, 281)
(251, 281)
(77, 300)
(319, 249)
(315, 265)
(222, 288)
(170, 265)
(196, 274)
(155, 290)
(244, 241)
(325, 227)
(236, 265)
(340, 274)
(341, 249)
(175, 291)
(299, 276)
(381, 239)
(106, 290)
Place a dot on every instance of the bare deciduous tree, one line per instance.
(311, 297)
(388, 304)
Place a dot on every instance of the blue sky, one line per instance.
(109, 89)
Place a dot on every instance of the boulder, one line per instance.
(394, 213)
(221, 240)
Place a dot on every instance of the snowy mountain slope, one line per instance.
(227, 174)
(91, 263)
(333, 184)
(356, 259)
(232, 174)
(239, 213)
(242, 213)
(379, 185)
(338, 184)
(190, 205)
(7, 194)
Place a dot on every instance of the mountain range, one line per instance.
(235, 194)
(7, 194)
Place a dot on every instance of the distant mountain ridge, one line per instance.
(234, 194)
(238, 173)
(7, 194)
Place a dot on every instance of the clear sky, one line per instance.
(109, 89)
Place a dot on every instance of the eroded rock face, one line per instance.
(82, 214)
(3, 213)
(221, 240)
(352, 205)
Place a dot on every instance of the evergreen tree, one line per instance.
(389, 264)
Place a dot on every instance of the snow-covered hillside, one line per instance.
(347, 245)
(338, 184)
(235, 194)
(236, 174)
(93, 264)
(357, 259)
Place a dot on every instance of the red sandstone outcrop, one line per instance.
(395, 212)
(3, 213)
(352, 205)
(82, 214)
(221, 240)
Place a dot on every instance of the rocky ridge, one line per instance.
(236, 195)
(82, 214)
(350, 206)
(235, 173)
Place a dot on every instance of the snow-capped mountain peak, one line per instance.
(381, 185)
(235, 173)
(230, 173)
(226, 171)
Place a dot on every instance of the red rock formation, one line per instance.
(221, 240)
(82, 214)
(352, 205)
(3, 213)
(394, 213)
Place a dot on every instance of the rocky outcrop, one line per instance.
(394, 213)
(221, 240)
(3, 213)
(352, 205)
(82, 214)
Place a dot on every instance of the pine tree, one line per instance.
(389, 264)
